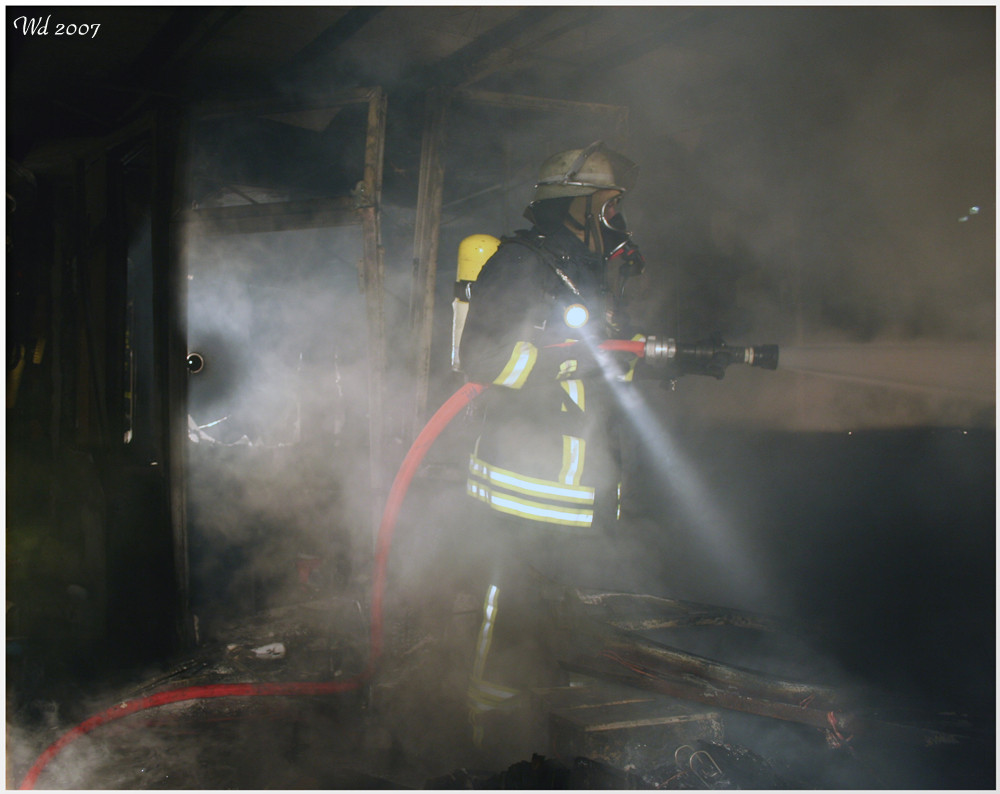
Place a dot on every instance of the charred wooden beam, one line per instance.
(425, 247)
(274, 105)
(606, 652)
(640, 612)
(617, 114)
(276, 216)
(841, 727)
(683, 22)
(464, 62)
(320, 54)
(677, 661)
(612, 668)
(170, 342)
(534, 37)
(151, 74)
(368, 197)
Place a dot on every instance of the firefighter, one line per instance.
(545, 469)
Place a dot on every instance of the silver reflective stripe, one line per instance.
(572, 468)
(485, 631)
(531, 486)
(496, 692)
(575, 390)
(536, 511)
(518, 367)
(485, 695)
(548, 501)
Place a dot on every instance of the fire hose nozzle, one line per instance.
(763, 356)
(709, 357)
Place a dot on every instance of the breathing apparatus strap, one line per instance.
(589, 222)
(580, 227)
(590, 226)
(547, 256)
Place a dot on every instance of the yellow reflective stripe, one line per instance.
(530, 486)
(536, 511)
(491, 689)
(479, 704)
(627, 377)
(485, 695)
(573, 456)
(567, 368)
(518, 367)
(574, 388)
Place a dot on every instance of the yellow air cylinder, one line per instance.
(473, 252)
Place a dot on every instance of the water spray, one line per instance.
(964, 370)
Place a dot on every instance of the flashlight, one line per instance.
(576, 315)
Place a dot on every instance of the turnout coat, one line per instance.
(547, 451)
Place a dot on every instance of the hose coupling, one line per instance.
(660, 351)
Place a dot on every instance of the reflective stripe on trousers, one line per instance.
(485, 695)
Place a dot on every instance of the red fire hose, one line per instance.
(456, 403)
(400, 485)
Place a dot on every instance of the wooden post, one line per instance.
(368, 196)
(425, 247)
(170, 342)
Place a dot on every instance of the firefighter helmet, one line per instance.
(580, 172)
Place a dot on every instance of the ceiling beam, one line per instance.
(464, 63)
(153, 72)
(319, 57)
(536, 36)
(187, 30)
(686, 23)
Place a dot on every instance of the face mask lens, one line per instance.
(613, 220)
(611, 214)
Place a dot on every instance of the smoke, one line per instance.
(807, 178)
(804, 177)
(284, 384)
(833, 185)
